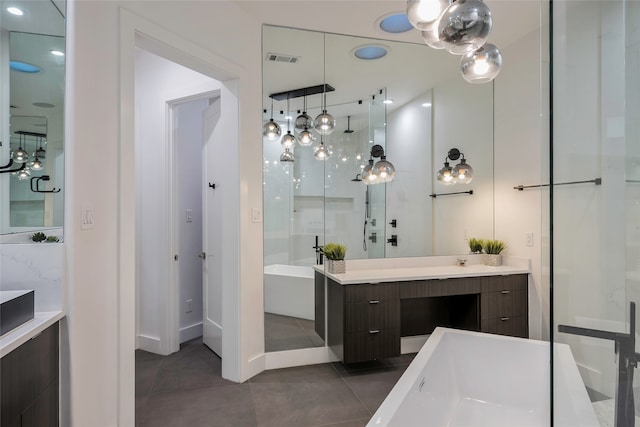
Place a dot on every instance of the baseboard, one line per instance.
(190, 332)
(147, 343)
(300, 357)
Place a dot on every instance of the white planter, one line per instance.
(336, 266)
(493, 260)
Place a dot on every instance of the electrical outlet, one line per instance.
(188, 306)
(189, 215)
(529, 238)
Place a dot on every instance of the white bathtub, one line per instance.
(288, 290)
(473, 379)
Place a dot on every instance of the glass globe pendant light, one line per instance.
(431, 36)
(287, 156)
(368, 177)
(20, 155)
(324, 123)
(482, 65)
(320, 152)
(305, 138)
(288, 141)
(465, 26)
(445, 175)
(271, 130)
(36, 165)
(423, 13)
(303, 121)
(23, 174)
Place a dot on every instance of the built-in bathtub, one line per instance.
(289, 291)
(462, 378)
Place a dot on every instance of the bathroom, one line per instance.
(520, 157)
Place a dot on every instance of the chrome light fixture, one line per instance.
(423, 13)
(305, 138)
(303, 121)
(287, 156)
(23, 174)
(271, 130)
(382, 171)
(465, 26)
(288, 141)
(36, 165)
(462, 173)
(20, 155)
(482, 65)
(320, 152)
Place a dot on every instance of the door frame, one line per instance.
(174, 303)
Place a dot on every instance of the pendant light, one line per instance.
(303, 121)
(368, 177)
(20, 155)
(320, 152)
(384, 170)
(288, 140)
(482, 65)
(423, 13)
(40, 152)
(465, 26)
(37, 164)
(324, 123)
(23, 174)
(271, 130)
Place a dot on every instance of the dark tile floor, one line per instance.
(186, 389)
(289, 333)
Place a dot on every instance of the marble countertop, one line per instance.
(23, 333)
(361, 273)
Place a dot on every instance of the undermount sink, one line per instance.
(16, 309)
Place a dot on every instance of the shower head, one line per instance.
(348, 130)
(357, 178)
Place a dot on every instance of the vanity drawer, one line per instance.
(370, 292)
(504, 283)
(370, 315)
(371, 345)
(516, 326)
(506, 303)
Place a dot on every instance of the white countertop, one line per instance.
(363, 274)
(23, 333)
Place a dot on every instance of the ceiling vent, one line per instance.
(278, 57)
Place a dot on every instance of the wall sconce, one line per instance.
(382, 171)
(462, 173)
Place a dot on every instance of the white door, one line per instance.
(213, 154)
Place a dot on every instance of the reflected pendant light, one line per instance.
(20, 155)
(320, 152)
(36, 165)
(303, 121)
(271, 130)
(431, 36)
(288, 141)
(287, 156)
(465, 26)
(463, 172)
(324, 123)
(384, 170)
(423, 13)
(482, 65)
(40, 152)
(305, 138)
(23, 174)
(445, 175)
(368, 177)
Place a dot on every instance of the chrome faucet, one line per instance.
(319, 254)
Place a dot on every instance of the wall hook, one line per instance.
(212, 185)
(37, 186)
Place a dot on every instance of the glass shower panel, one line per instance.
(595, 216)
(377, 193)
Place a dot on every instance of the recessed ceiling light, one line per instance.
(426, 104)
(23, 67)
(15, 11)
(388, 101)
(396, 23)
(370, 51)
(57, 52)
(43, 105)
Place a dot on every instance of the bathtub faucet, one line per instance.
(319, 254)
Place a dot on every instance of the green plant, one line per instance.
(475, 245)
(52, 239)
(334, 251)
(38, 237)
(493, 246)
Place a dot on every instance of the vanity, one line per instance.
(371, 308)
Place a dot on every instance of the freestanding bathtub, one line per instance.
(288, 291)
(461, 378)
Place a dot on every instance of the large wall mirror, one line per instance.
(413, 104)
(32, 47)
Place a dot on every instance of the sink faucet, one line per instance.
(319, 254)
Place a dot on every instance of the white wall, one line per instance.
(97, 316)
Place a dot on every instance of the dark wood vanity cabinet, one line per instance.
(29, 377)
(363, 321)
(367, 321)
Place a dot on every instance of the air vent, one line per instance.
(278, 57)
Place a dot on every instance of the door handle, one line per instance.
(203, 255)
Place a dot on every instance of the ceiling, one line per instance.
(409, 69)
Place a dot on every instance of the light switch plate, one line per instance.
(256, 215)
(87, 217)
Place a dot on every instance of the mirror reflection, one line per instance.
(31, 183)
(416, 111)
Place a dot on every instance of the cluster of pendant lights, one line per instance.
(323, 124)
(462, 28)
(21, 156)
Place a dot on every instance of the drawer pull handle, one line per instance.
(374, 301)
(504, 292)
(504, 318)
(375, 331)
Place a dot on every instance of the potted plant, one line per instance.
(475, 245)
(38, 237)
(335, 252)
(492, 249)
